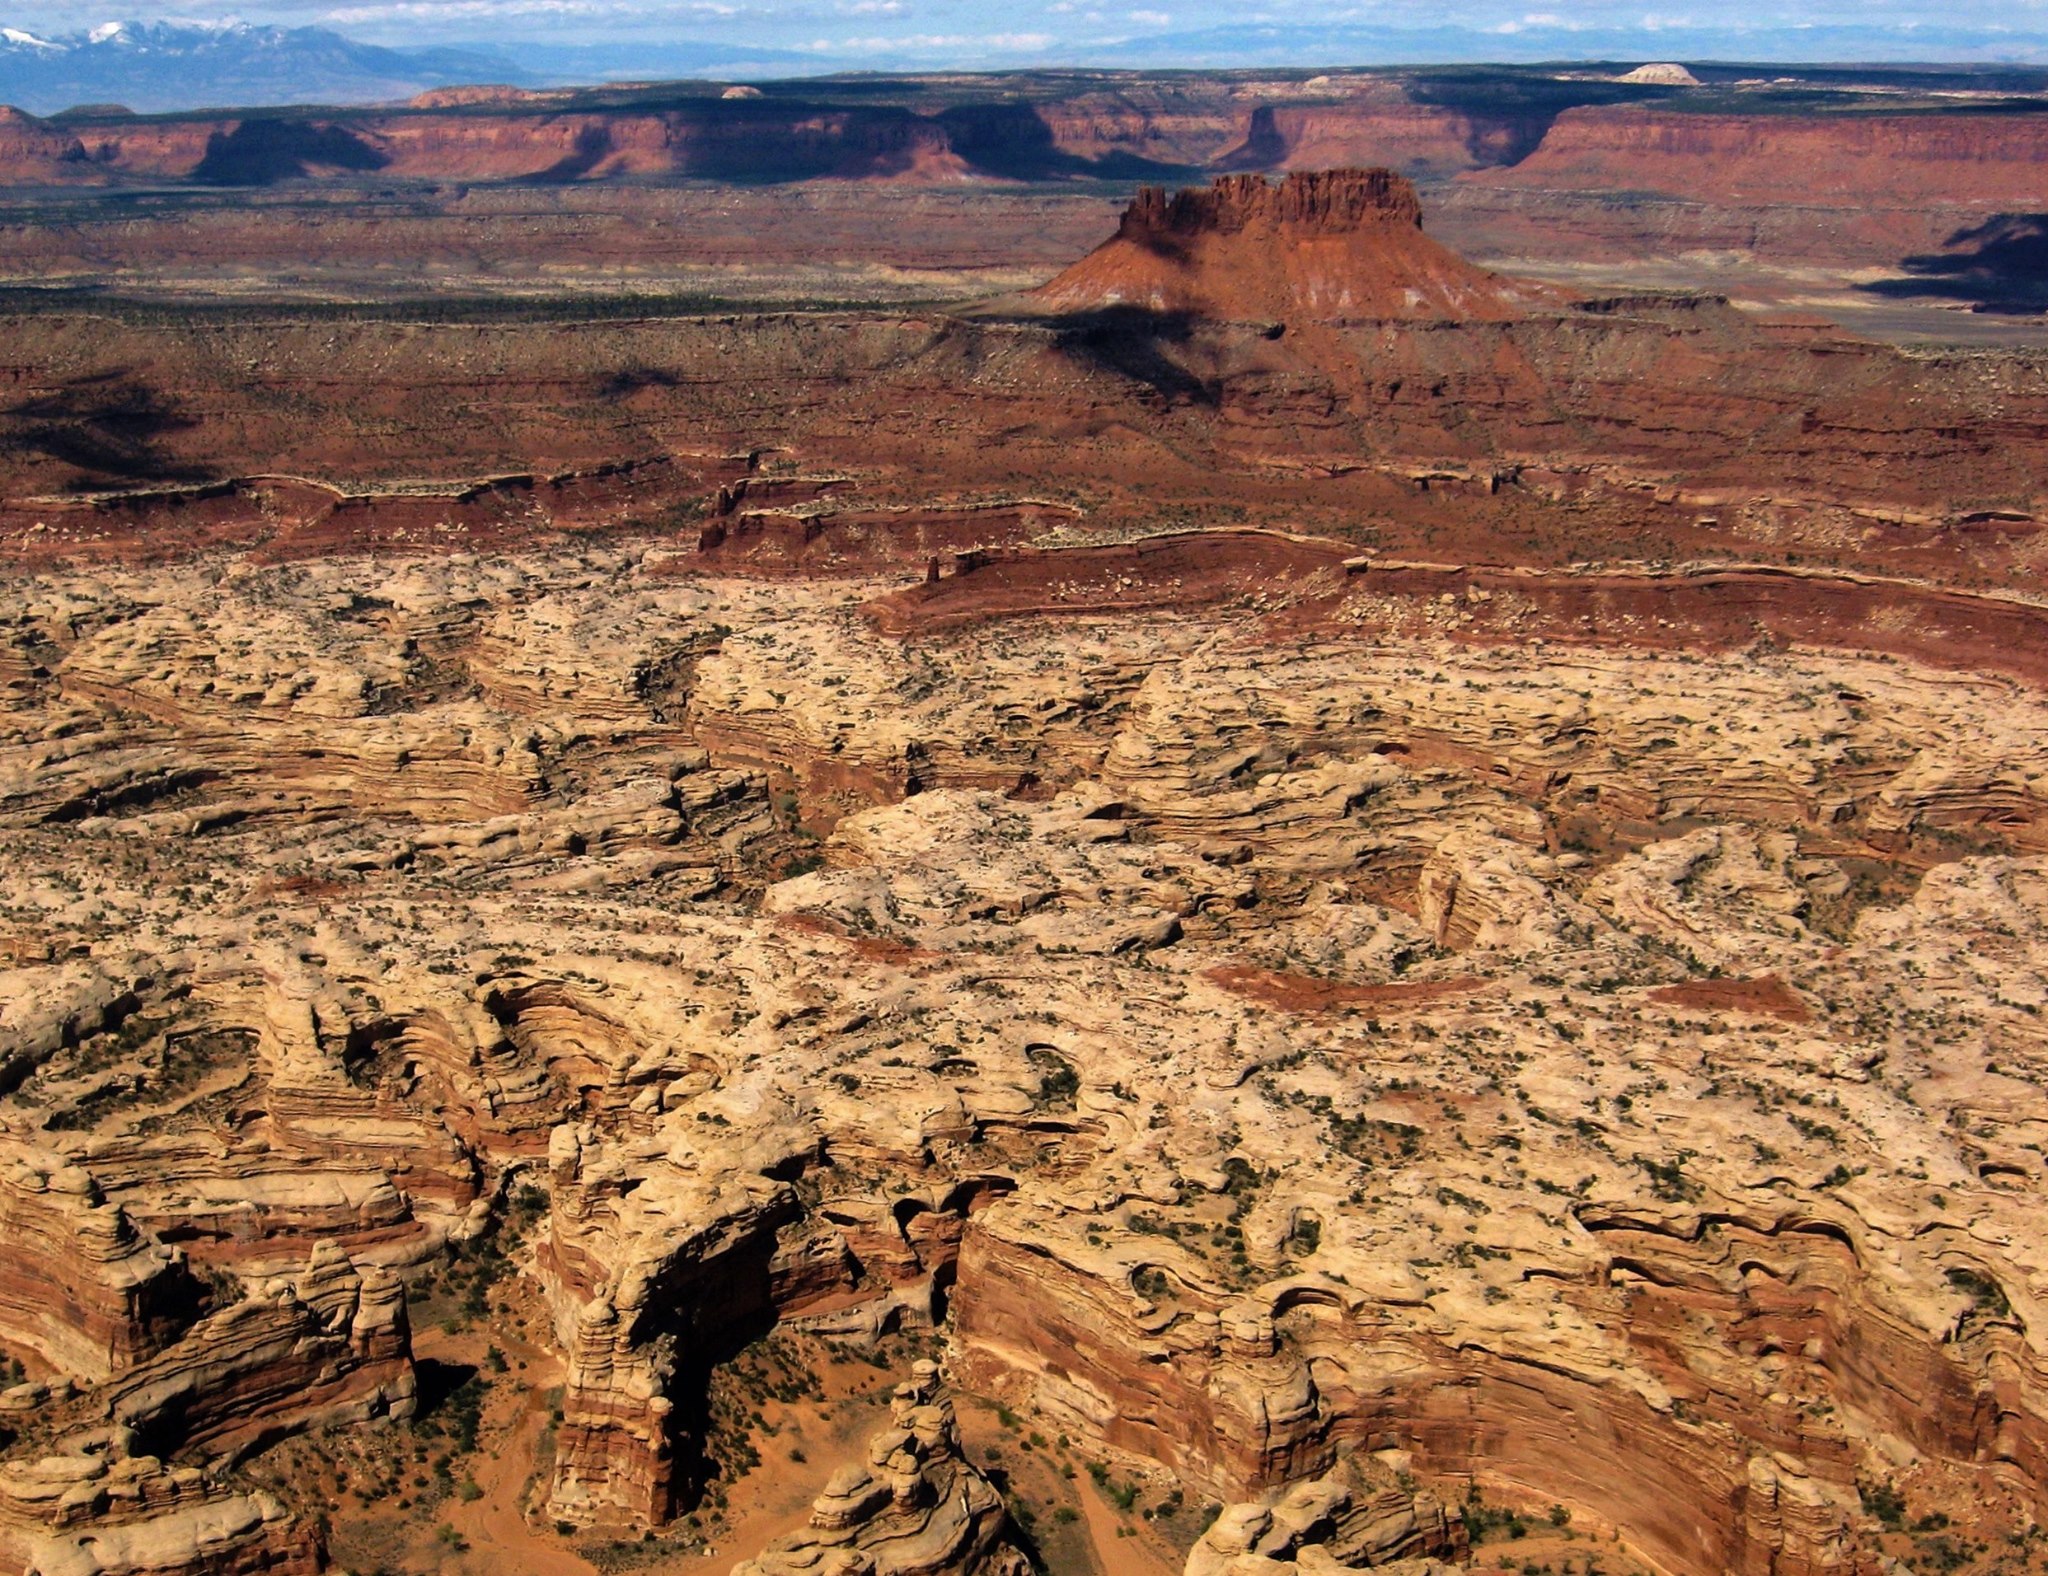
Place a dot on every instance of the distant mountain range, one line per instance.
(156, 66)
(169, 65)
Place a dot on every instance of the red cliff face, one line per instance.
(483, 133)
(1323, 246)
(1843, 159)
(34, 152)
(1417, 139)
(441, 143)
(1822, 159)
(153, 150)
(1322, 202)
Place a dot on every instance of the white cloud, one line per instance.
(933, 43)
(1537, 19)
(465, 10)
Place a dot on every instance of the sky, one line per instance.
(975, 33)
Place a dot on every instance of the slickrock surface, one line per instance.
(1356, 1517)
(1607, 1075)
(1289, 1027)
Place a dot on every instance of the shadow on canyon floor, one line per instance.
(2000, 265)
(438, 1383)
(107, 428)
(1131, 342)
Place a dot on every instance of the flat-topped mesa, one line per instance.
(1324, 246)
(1320, 202)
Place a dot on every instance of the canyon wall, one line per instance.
(1945, 157)
(86, 1293)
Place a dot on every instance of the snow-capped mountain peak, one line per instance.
(150, 66)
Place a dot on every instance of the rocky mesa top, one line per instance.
(1312, 201)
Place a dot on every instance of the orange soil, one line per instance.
(1765, 994)
(1302, 993)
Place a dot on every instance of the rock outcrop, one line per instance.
(914, 1507)
(331, 1347)
(627, 1285)
(103, 1510)
(1323, 246)
(1354, 1517)
(86, 1292)
(148, 1490)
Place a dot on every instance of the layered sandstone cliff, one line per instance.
(86, 1292)
(143, 1488)
(1935, 155)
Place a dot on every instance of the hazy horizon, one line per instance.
(798, 36)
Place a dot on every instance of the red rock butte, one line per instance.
(1322, 245)
(1319, 202)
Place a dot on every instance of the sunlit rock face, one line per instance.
(1371, 1044)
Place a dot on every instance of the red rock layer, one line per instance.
(83, 1291)
(861, 541)
(1623, 428)
(448, 133)
(1160, 571)
(33, 152)
(462, 144)
(1267, 1391)
(287, 517)
(1705, 609)
(1920, 156)
(1323, 202)
(1935, 157)
(1416, 139)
